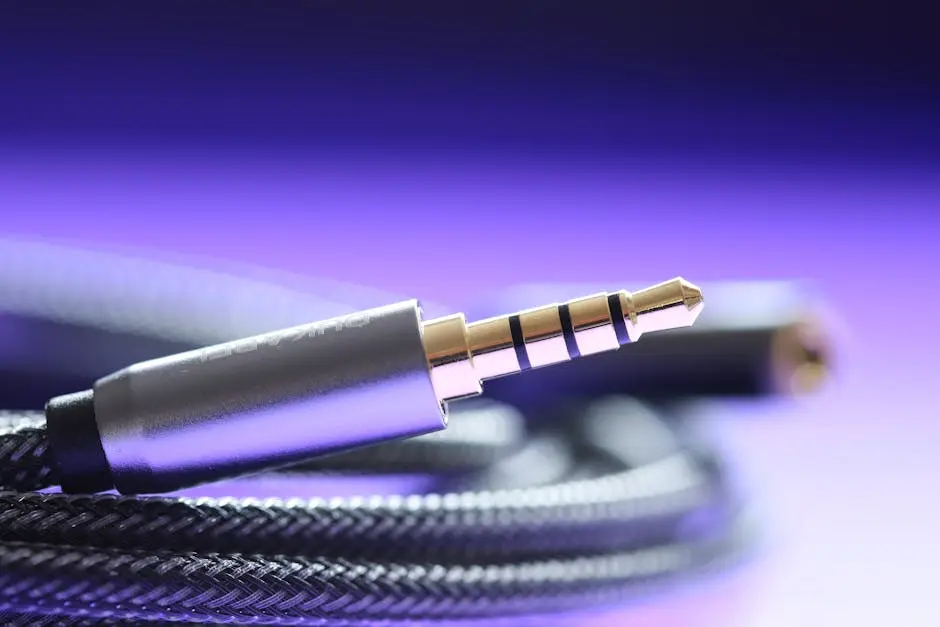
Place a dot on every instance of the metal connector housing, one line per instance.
(269, 400)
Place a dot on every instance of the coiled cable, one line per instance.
(474, 553)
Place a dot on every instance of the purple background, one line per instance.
(446, 153)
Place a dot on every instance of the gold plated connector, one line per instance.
(800, 358)
(461, 356)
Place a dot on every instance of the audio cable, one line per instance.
(97, 527)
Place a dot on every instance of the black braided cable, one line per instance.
(25, 462)
(433, 556)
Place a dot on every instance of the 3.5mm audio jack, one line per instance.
(462, 355)
(284, 397)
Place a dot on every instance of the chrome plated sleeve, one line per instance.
(273, 399)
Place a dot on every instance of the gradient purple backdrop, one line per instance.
(446, 176)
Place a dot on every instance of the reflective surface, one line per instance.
(844, 478)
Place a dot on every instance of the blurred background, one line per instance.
(448, 151)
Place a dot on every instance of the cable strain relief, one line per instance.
(75, 444)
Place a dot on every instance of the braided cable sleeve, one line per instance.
(25, 461)
(103, 559)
